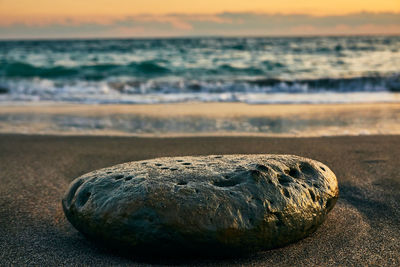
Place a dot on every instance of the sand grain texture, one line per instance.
(362, 229)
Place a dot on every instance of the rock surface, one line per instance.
(206, 204)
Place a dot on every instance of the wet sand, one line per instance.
(202, 119)
(362, 229)
(212, 109)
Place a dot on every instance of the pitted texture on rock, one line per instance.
(206, 203)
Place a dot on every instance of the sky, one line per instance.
(31, 19)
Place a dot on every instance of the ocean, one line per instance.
(249, 70)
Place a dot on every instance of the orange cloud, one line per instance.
(178, 21)
(173, 20)
(223, 24)
(342, 29)
(40, 21)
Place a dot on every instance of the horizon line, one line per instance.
(196, 37)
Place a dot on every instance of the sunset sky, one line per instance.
(127, 18)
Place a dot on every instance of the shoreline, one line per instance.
(362, 229)
(189, 136)
(203, 119)
(210, 109)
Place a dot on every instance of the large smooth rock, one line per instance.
(232, 203)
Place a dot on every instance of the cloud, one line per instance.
(223, 24)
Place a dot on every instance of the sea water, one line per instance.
(250, 70)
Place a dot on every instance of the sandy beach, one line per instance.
(363, 228)
(202, 119)
(85, 87)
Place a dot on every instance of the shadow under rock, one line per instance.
(367, 203)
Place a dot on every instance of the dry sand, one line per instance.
(363, 228)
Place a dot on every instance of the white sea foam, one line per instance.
(176, 90)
